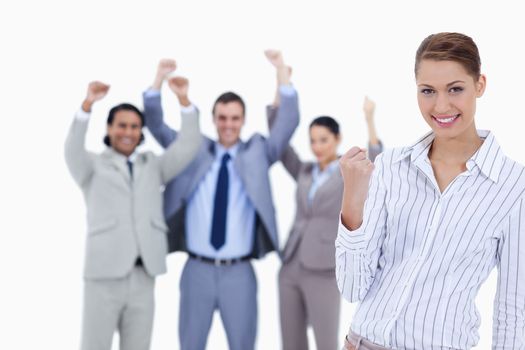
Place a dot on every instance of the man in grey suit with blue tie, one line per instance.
(220, 211)
(126, 244)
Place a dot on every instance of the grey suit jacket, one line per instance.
(314, 229)
(124, 214)
(252, 162)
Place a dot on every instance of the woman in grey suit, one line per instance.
(308, 293)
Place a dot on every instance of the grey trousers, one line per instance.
(232, 290)
(308, 297)
(123, 304)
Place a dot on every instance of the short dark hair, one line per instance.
(124, 107)
(328, 122)
(228, 97)
(455, 47)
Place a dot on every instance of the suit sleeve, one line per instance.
(509, 303)
(286, 121)
(358, 252)
(79, 161)
(290, 159)
(154, 119)
(374, 150)
(181, 152)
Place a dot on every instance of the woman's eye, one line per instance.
(427, 91)
(456, 89)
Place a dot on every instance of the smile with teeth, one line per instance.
(446, 120)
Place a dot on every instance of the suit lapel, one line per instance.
(306, 184)
(238, 162)
(203, 165)
(333, 180)
(138, 166)
(118, 161)
(240, 165)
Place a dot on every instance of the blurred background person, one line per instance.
(308, 294)
(220, 210)
(126, 244)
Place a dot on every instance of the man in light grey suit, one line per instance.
(220, 211)
(126, 242)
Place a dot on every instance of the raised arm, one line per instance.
(287, 117)
(153, 113)
(375, 146)
(181, 152)
(509, 304)
(358, 243)
(290, 159)
(78, 159)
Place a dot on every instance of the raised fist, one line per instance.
(165, 67)
(179, 85)
(369, 107)
(356, 170)
(96, 91)
(275, 57)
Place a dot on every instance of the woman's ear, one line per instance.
(481, 84)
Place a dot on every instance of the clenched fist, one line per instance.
(369, 108)
(275, 57)
(165, 67)
(95, 92)
(356, 170)
(180, 85)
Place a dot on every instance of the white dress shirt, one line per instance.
(240, 217)
(420, 256)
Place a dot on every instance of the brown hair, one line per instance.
(455, 47)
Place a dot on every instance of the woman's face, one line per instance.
(324, 143)
(447, 95)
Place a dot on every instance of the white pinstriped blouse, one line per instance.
(420, 256)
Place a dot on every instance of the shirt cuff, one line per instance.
(82, 115)
(355, 240)
(188, 109)
(287, 90)
(151, 93)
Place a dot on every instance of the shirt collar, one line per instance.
(220, 150)
(328, 170)
(132, 157)
(488, 158)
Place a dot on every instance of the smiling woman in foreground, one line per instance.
(422, 229)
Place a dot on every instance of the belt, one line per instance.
(355, 342)
(219, 262)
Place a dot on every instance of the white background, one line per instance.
(339, 51)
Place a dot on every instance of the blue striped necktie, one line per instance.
(220, 205)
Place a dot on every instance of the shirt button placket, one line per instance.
(418, 263)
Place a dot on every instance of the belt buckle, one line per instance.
(217, 262)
